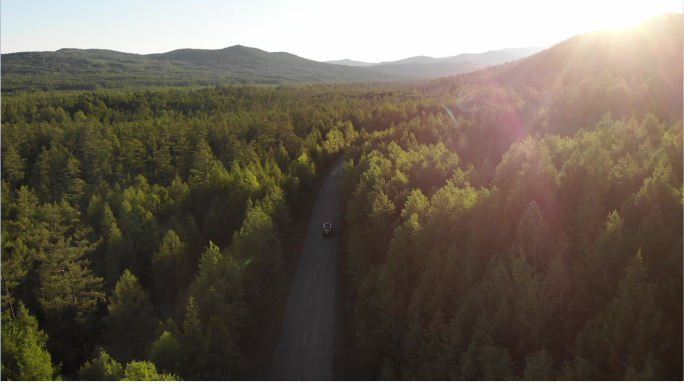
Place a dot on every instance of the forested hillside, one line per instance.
(148, 226)
(91, 69)
(530, 228)
(519, 222)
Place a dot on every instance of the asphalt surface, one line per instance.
(305, 348)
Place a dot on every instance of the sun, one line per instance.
(624, 21)
(627, 16)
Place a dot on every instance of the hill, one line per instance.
(89, 69)
(489, 58)
(94, 68)
(351, 63)
(650, 49)
(645, 60)
(429, 70)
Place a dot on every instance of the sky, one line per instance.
(322, 30)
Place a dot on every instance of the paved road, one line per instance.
(305, 349)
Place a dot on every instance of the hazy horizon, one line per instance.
(361, 31)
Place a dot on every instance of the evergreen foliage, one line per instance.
(496, 238)
(24, 356)
(522, 221)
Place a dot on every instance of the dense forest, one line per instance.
(92, 69)
(529, 230)
(519, 222)
(147, 226)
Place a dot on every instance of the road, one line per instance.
(305, 348)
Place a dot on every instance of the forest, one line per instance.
(523, 221)
(147, 226)
(92, 69)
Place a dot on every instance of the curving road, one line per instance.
(305, 349)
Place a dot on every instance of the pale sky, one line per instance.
(364, 30)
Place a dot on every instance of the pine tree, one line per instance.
(194, 345)
(165, 353)
(381, 223)
(68, 291)
(628, 329)
(12, 166)
(219, 285)
(559, 290)
(170, 267)
(257, 243)
(579, 369)
(24, 355)
(145, 371)
(162, 162)
(103, 368)
(532, 308)
(495, 363)
(224, 360)
(533, 234)
(131, 320)
(538, 366)
(599, 273)
(204, 163)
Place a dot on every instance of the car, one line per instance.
(327, 229)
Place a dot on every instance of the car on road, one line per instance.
(327, 229)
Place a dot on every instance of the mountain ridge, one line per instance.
(491, 57)
(100, 68)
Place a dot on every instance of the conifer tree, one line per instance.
(194, 345)
(103, 368)
(131, 320)
(538, 367)
(24, 353)
(165, 353)
(628, 329)
(145, 371)
(533, 235)
(170, 267)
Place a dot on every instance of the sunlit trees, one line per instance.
(98, 184)
(526, 265)
(24, 356)
(102, 368)
(489, 236)
(145, 371)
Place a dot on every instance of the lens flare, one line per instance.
(467, 100)
(448, 111)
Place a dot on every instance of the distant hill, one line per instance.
(95, 68)
(429, 70)
(411, 60)
(522, 52)
(653, 48)
(493, 57)
(647, 58)
(92, 68)
(351, 63)
(489, 58)
(649, 54)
